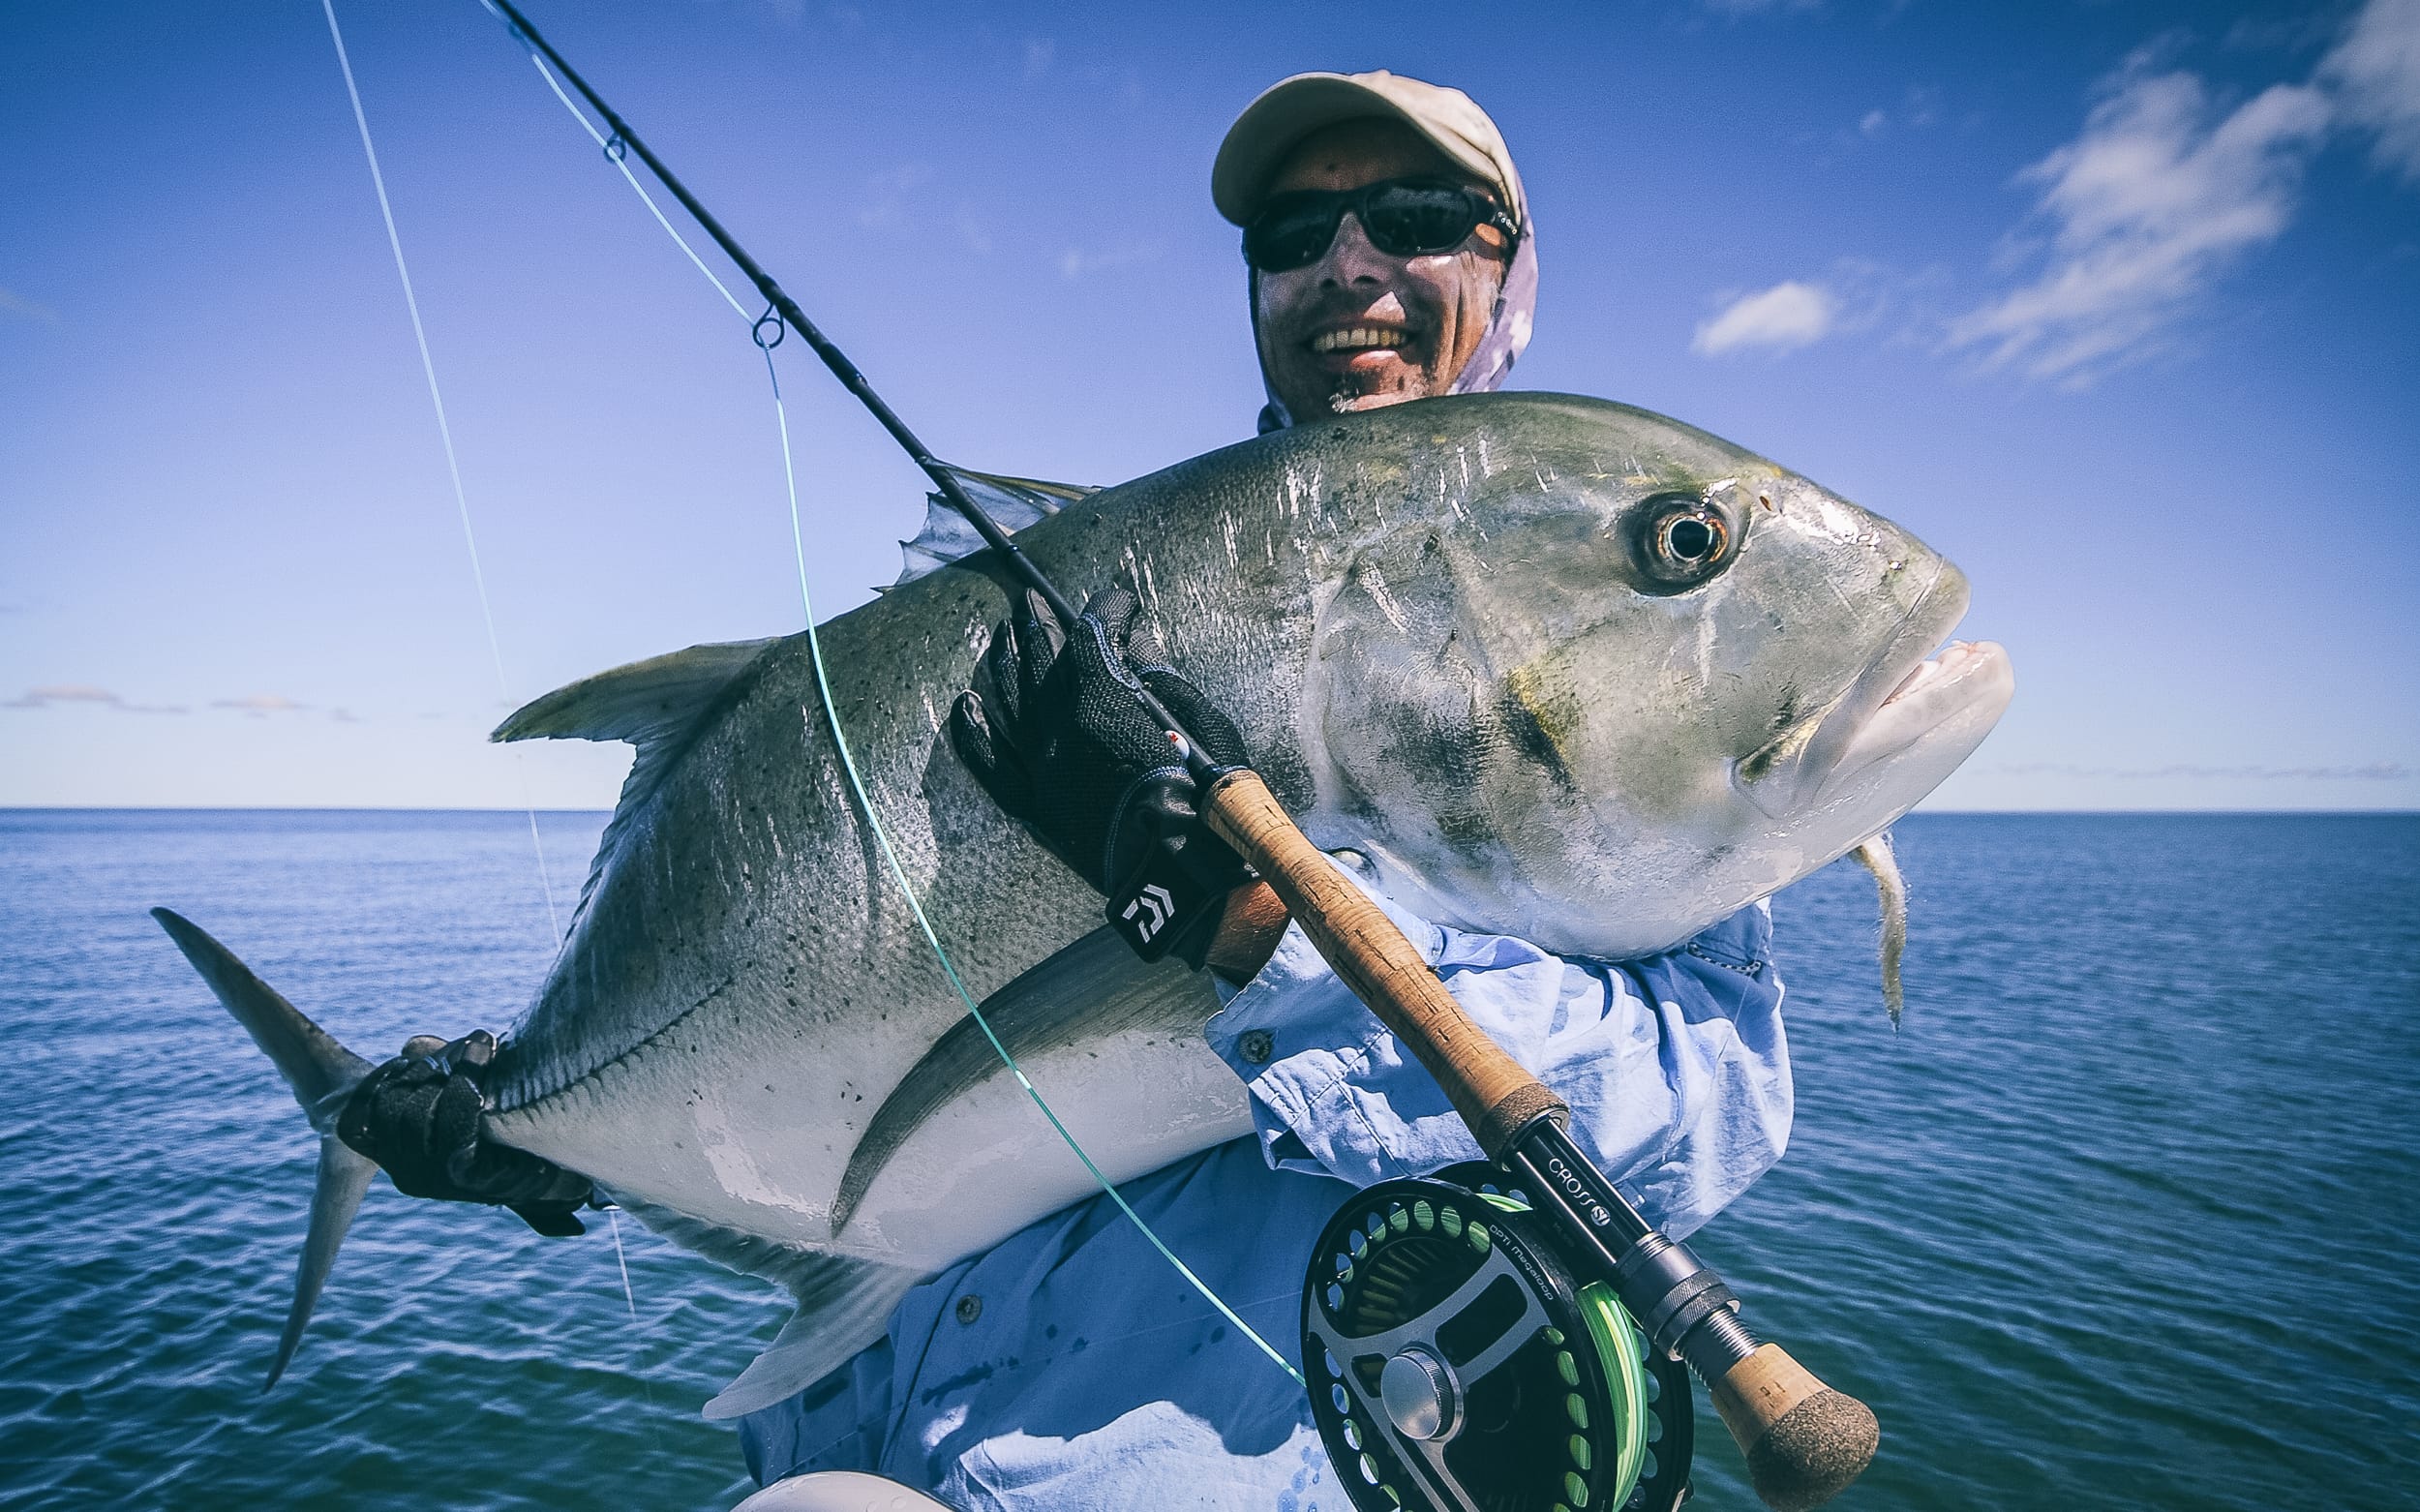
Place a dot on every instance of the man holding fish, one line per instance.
(1393, 258)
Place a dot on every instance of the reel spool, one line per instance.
(1455, 1364)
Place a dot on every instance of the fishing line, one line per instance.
(496, 651)
(612, 1215)
(630, 1300)
(619, 155)
(832, 715)
(453, 468)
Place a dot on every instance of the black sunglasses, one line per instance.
(1402, 218)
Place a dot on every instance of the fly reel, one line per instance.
(1454, 1365)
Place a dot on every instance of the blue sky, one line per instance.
(2116, 303)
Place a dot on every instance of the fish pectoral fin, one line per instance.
(1091, 987)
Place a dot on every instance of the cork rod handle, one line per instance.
(1488, 1087)
(1805, 1441)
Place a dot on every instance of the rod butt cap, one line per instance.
(1803, 1441)
(1813, 1453)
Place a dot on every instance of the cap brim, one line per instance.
(1287, 111)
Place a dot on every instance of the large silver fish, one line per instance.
(1547, 667)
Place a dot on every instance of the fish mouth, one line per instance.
(1917, 683)
(1962, 676)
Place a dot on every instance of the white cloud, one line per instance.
(973, 231)
(889, 194)
(13, 303)
(1039, 52)
(1785, 316)
(65, 694)
(74, 694)
(2376, 75)
(1075, 263)
(2147, 207)
(260, 705)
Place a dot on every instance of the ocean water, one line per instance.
(2123, 1218)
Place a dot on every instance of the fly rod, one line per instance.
(1803, 1441)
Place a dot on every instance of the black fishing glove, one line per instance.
(422, 1116)
(1063, 743)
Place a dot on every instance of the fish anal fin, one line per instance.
(844, 1304)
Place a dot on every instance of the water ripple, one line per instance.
(2118, 1220)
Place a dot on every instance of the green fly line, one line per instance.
(766, 330)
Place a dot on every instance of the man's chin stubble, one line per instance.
(1348, 404)
(1349, 398)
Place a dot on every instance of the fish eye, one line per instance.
(1680, 540)
(1690, 539)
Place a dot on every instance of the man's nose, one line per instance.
(1350, 258)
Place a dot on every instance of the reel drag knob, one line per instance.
(1422, 1397)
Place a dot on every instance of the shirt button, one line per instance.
(1255, 1046)
(970, 1308)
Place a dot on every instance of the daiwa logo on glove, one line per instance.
(1155, 905)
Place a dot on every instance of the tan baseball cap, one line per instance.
(1292, 108)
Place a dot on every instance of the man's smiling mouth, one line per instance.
(1360, 338)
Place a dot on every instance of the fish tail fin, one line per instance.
(1891, 888)
(322, 1074)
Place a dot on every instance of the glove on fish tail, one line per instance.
(328, 1080)
(422, 1116)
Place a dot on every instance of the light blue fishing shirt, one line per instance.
(1070, 1368)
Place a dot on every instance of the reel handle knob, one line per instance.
(1805, 1442)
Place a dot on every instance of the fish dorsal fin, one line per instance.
(656, 705)
(644, 703)
(1014, 503)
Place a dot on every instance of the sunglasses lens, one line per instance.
(1292, 235)
(1408, 220)
(1402, 219)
